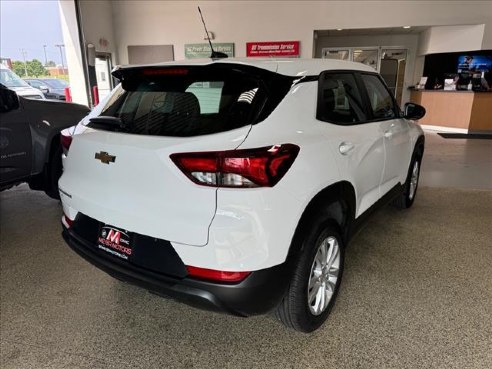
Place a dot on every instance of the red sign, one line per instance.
(272, 48)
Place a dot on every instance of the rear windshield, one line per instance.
(191, 101)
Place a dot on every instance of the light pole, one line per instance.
(45, 57)
(61, 56)
(24, 53)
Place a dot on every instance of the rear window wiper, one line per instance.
(107, 122)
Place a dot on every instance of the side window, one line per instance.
(208, 94)
(36, 84)
(381, 101)
(339, 100)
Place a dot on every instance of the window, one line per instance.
(381, 101)
(185, 102)
(10, 79)
(339, 100)
(35, 84)
(208, 95)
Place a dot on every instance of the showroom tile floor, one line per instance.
(416, 292)
(457, 162)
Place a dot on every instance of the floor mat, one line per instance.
(482, 136)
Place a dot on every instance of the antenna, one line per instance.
(215, 54)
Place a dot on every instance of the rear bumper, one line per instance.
(259, 293)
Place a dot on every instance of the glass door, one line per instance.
(335, 53)
(367, 56)
(390, 62)
(392, 69)
(103, 74)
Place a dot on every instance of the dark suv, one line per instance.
(30, 149)
(52, 88)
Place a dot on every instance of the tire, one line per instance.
(300, 308)
(406, 199)
(53, 173)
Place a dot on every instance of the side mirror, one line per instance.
(44, 89)
(414, 111)
(8, 100)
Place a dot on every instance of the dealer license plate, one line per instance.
(115, 241)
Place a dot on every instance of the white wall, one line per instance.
(178, 22)
(125, 23)
(97, 25)
(451, 39)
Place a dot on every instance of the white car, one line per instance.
(12, 81)
(236, 184)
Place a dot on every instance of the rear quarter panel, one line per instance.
(253, 228)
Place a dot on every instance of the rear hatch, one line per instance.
(119, 170)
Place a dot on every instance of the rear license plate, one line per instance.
(115, 241)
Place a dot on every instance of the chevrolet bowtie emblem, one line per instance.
(105, 157)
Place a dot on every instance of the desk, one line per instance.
(457, 109)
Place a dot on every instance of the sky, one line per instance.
(29, 25)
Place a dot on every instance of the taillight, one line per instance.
(260, 167)
(216, 275)
(65, 141)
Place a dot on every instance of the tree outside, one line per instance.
(18, 68)
(33, 67)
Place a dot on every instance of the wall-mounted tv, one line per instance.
(438, 67)
(479, 63)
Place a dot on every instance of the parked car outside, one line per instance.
(30, 148)
(237, 184)
(17, 84)
(52, 88)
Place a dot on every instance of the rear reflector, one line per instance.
(65, 142)
(216, 275)
(260, 167)
(68, 222)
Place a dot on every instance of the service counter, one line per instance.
(457, 109)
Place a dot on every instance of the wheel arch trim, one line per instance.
(337, 201)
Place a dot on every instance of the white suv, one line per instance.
(237, 184)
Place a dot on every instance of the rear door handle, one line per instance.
(346, 147)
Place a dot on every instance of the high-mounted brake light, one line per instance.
(216, 275)
(165, 71)
(65, 141)
(260, 167)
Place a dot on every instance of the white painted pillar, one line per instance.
(73, 53)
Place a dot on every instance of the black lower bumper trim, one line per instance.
(259, 293)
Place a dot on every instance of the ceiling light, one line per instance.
(339, 29)
(406, 27)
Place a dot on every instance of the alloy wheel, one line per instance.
(324, 275)
(414, 180)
